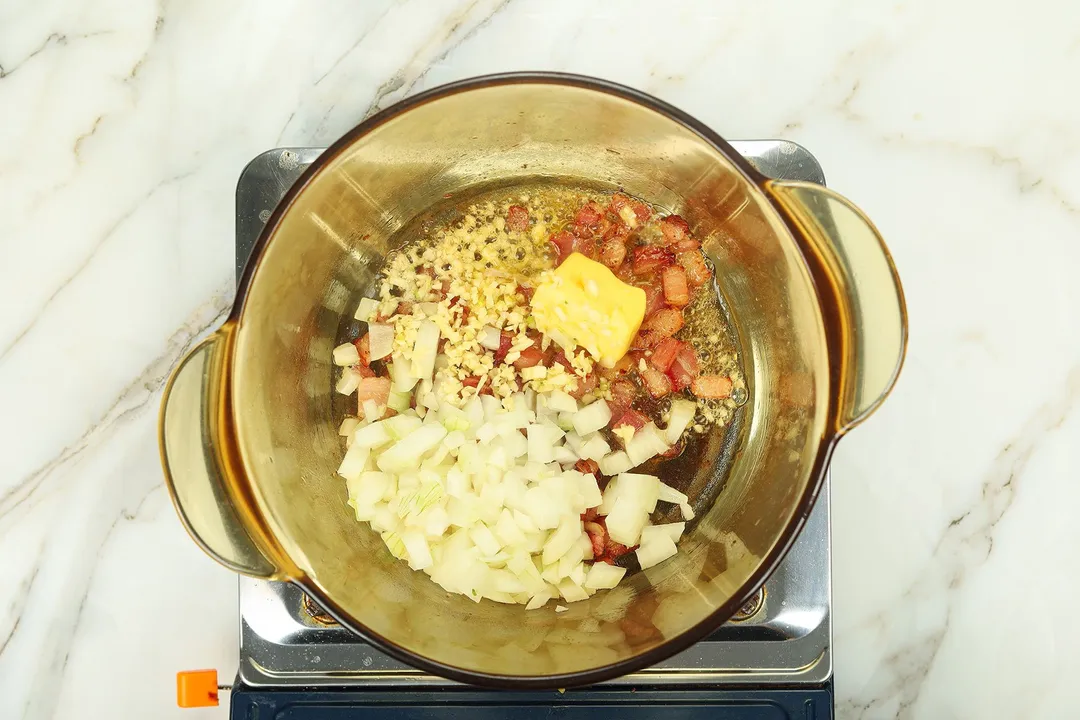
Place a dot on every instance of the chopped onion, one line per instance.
(372, 410)
(615, 463)
(595, 448)
(672, 530)
(658, 548)
(425, 350)
(560, 401)
(348, 382)
(366, 310)
(373, 435)
(671, 495)
(687, 511)
(626, 521)
(400, 373)
(346, 354)
(489, 337)
(380, 340)
(681, 415)
(601, 576)
(399, 401)
(592, 417)
(354, 461)
(348, 426)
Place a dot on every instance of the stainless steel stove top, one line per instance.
(782, 638)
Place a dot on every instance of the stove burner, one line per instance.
(287, 640)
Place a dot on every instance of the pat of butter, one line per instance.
(583, 303)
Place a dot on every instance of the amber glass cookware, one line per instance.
(249, 420)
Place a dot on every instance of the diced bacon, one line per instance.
(587, 466)
(711, 386)
(614, 550)
(623, 366)
(426, 270)
(697, 271)
(589, 515)
(470, 381)
(687, 245)
(642, 211)
(585, 386)
(676, 290)
(654, 298)
(363, 349)
(564, 245)
(649, 259)
(363, 371)
(404, 308)
(664, 323)
(587, 220)
(632, 418)
(526, 292)
(598, 537)
(613, 253)
(505, 341)
(618, 201)
(616, 231)
(685, 368)
(622, 397)
(674, 229)
(558, 356)
(657, 383)
(625, 273)
(586, 246)
(517, 218)
(664, 354)
(675, 450)
(530, 356)
(373, 388)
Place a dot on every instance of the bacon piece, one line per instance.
(684, 368)
(564, 245)
(526, 292)
(622, 397)
(687, 245)
(654, 298)
(657, 383)
(711, 386)
(471, 381)
(363, 349)
(373, 388)
(517, 218)
(585, 386)
(587, 466)
(505, 341)
(363, 371)
(589, 515)
(697, 271)
(613, 253)
(674, 229)
(649, 259)
(632, 418)
(587, 220)
(598, 537)
(530, 356)
(664, 354)
(404, 308)
(676, 290)
(664, 323)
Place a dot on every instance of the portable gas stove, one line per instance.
(773, 660)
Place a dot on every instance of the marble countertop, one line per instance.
(124, 126)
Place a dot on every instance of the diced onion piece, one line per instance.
(645, 445)
(602, 576)
(399, 401)
(672, 530)
(417, 549)
(595, 448)
(401, 425)
(539, 600)
(373, 435)
(565, 456)
(485, 540)
(626, 521)
(346, 354)
(671, 495)
(561, 608)
(644, 490)
(372, 410)
(615, 463)
(406, 452)
(541, 442)
(381, 340)
(560, 401)
(366, 491)
(489, 337)
(348, 382)
(354, 461)
(348, 426)
(681, 415)
(401, 374)
(687, 511)
(592, 417)
(561, 540)
(571, 591)
(425, 349)
(366, 310)
(659, 548)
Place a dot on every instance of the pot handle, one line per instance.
(869, 297)
(196, 469)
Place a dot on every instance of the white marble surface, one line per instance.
(954, 123)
